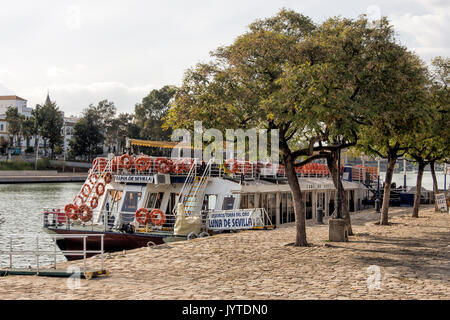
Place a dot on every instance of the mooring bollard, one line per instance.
(319, 216)
(377, 204)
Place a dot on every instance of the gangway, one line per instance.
(51, 271)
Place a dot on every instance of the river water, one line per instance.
(21, 212)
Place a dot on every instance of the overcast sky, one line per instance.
(86, 51)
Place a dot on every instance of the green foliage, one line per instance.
(87, 135)
(150, 113)
(50, 122)
(19, 164)
(15, 121)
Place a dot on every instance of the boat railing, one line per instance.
(107, 221)
(235, 169)
(38, 252)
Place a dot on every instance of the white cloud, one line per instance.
(72, 98)
(55, 72)
(85, 51)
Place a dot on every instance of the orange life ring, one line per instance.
(99, 164)
(126, 161)
(143, 163)
(163, 165)
(102, 189)
(71, 210)
(157, 217)
(108, 177)
(115, 163)
(142, 215)
(83, 190)
(94, 202)
(93, 175)
(85, 213)
(187, 163)
(179, 167)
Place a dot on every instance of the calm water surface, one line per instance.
(21, 213)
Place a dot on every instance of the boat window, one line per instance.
(172, 201)
(154, 200)
(228, 202)
(209, 202)
(130, 202)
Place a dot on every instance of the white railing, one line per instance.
(105, 221)
(38, 252)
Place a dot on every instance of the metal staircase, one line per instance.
(193, 188)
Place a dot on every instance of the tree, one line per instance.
(51, 126)
(15, 121)
(120, 129)
(38, 118)
(150, 113)
(309, 82)
(105, 111)
(397, 101)
(87, 135)
(440, 103)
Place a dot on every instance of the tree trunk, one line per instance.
(384, 218)
(36, 151)
(332, 165)
(299, 208)
(435, 185)
(416, 207)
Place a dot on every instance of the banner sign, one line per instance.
(239, 219)
(142, 179)
(441, 202)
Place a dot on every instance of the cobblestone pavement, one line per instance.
(410, 259)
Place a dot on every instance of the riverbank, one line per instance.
(412, 255)
(38, 176)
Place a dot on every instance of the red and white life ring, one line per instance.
(94, 202)
(142, 215)
(157, 217)
(100, 189)
(163, 165)
(85, 213)
(71, 210)
(126, 161)
(143, 163)
(107, 177)
(86, 190)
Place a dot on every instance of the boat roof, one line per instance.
(305, 184)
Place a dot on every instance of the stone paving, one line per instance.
(410, 259)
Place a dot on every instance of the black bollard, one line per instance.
(319, 216)
(377, 205)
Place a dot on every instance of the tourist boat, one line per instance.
(138, 200)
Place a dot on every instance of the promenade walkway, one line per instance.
(410, 258)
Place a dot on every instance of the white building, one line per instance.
(21, 104)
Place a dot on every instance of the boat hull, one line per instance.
(112, 241)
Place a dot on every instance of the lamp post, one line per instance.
(378, 199)
(404, 174)
(337, 230)
(338, 197)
